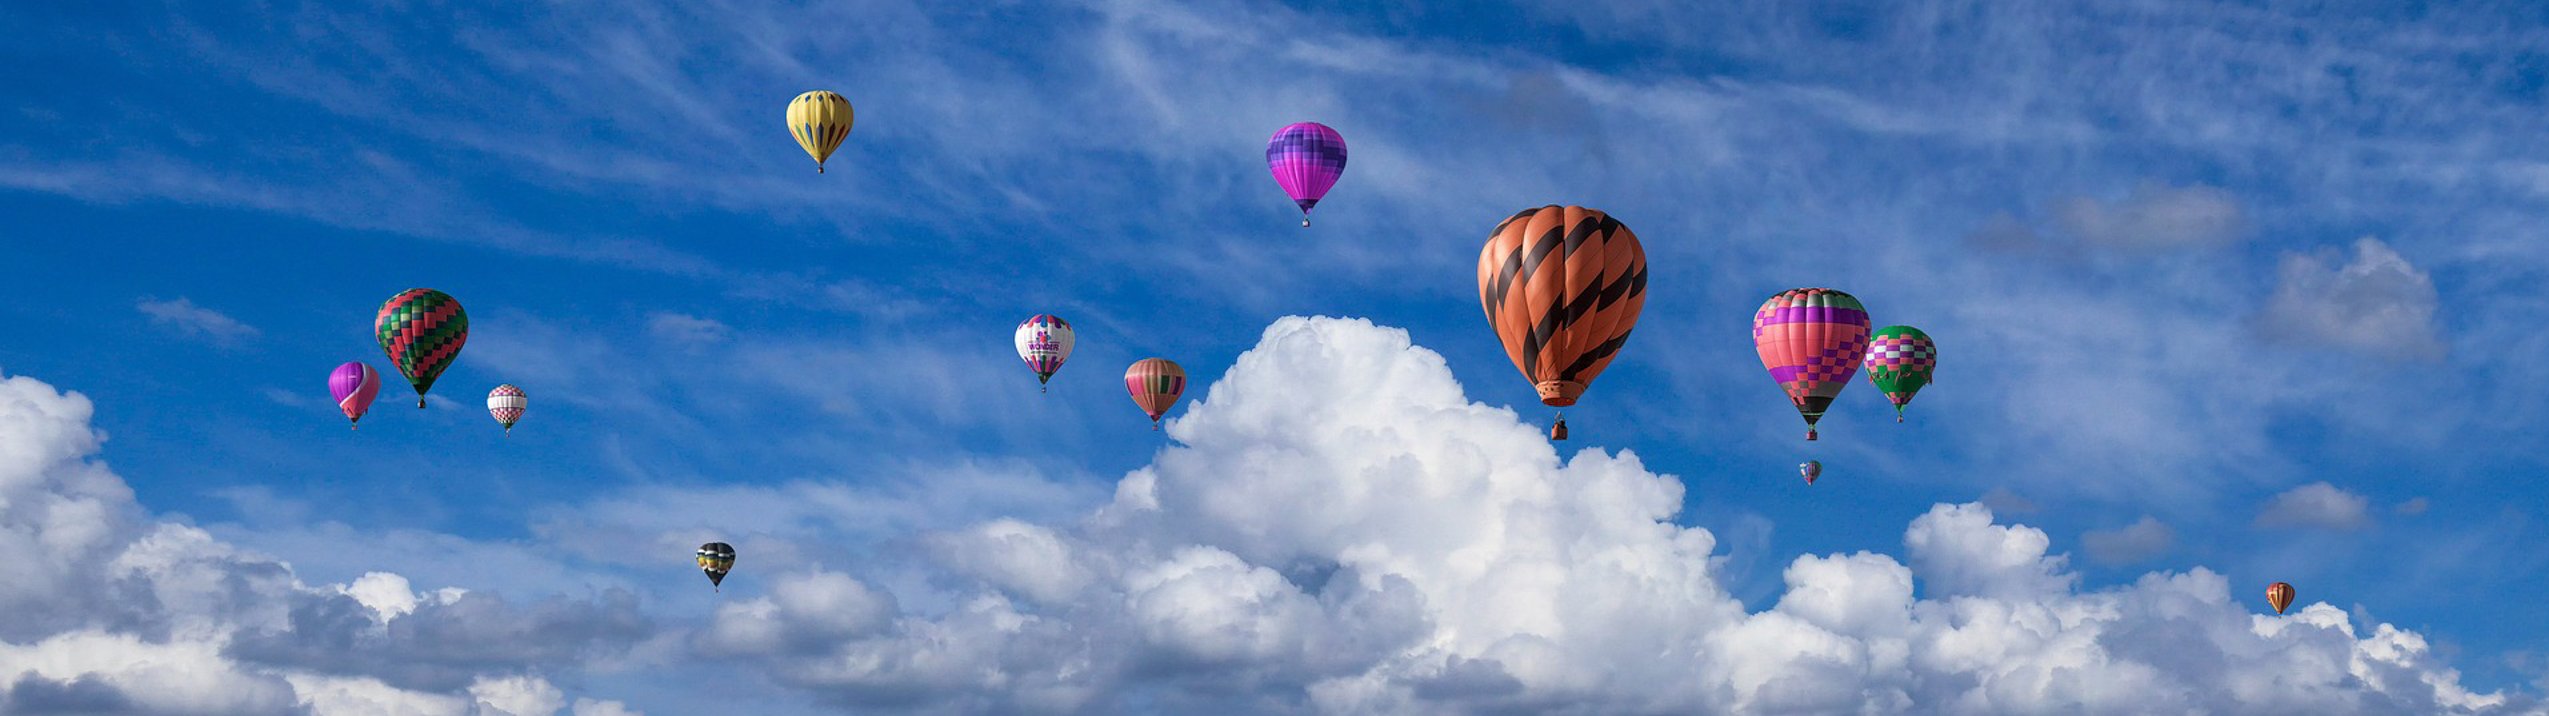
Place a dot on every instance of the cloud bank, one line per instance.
(1337, 529)
(111, 611)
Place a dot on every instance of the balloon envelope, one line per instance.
(2279, 595)
(716, 559)
(1900, 360)
(506, 403)
(1044, 342)
(422, 330)
(1811, 340)
(1562, 287)
(354, 385)
(819, 120)
(1155, 384)
(1811, 469)
(1306, 158)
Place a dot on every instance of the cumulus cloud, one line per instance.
(2154, 216)
(2376, 303)
(2317, 504)
(112, 611)
(1336, 528)
(2137, 542)
(183, 316)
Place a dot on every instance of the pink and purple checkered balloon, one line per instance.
(1811, 340)
(1306, 158)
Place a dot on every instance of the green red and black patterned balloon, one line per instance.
(422, 330)
(1900, 359)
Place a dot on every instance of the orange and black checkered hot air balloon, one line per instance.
(1562, 286)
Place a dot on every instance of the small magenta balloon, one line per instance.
(354, 385)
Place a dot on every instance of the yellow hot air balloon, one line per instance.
(820, 120)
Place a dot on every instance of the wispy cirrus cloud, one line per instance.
(186, 318)
(687, 330)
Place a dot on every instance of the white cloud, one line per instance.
(388, 597)
(1337, 529)
(113, 611)
(2412, 507)
(183, 316)
(2132, 543)
(2377, 303)
(494, 696)
(2317, 504)
(517, 696)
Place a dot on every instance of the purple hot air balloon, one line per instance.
(1306, 159)
(354, 385)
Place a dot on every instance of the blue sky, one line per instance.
(2185, 262)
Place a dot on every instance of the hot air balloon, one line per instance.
(422, 330)
(1155, 384)
(1306, 158)
(1811, 469)
(820, 120)
(354, 385)
(717, 558)
(2279, 595)
(1900, 360)
(1044, 342)
(506, 403)
(1812, 340)
(1562, 287)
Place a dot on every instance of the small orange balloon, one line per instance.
(1155, 384)
(2279, 595)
